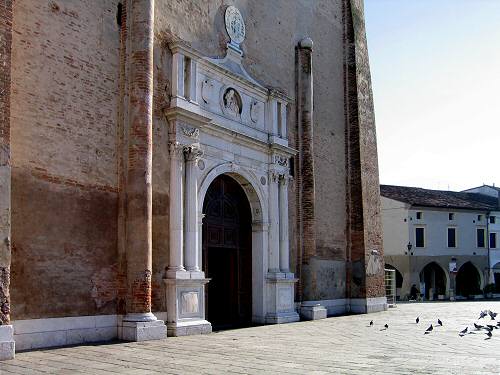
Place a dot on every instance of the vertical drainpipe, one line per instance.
(488, 245)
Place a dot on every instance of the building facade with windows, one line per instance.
(440, 241)
(493, 233)
(173, 167)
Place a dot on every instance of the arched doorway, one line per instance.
(227, 254)
(496, 277)
(399, 279)
(468, 280)
(434, 280)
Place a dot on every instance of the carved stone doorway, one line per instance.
(227, 254)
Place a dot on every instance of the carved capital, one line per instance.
(192, 153)
(175, 150)
(285, 179)
(274, 176)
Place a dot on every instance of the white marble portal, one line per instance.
(221, 121)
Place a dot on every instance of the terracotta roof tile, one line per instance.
(439, 198)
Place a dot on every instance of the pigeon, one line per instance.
(482, 314)
(478, 326)
(489, 334)
(371, 323)
(490, 327)
(440, 322)
(492, 314)
(417, 320)
(386, 325)
(464, 331)
(429, 330)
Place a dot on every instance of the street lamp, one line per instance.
(409, 247)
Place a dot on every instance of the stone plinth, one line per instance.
(143, 331)
(186, 307)
(312, 312)
(280, 294)
(7, 344)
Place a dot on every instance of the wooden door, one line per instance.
(227, 254)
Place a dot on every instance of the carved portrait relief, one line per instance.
(231, 102)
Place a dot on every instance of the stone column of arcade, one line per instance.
(139, 324)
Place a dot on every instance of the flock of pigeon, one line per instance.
(477, 327)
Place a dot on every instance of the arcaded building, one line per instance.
(175, 167)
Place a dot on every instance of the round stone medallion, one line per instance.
(201, 164)
(263, 180)
(235, 26)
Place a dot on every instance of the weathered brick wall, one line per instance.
(274, 29)
(65, 70)
(365, 271)
(5, 171)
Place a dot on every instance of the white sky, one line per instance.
(435, 68)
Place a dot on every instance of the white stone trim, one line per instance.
(333, 306)
(368, 305)
(355, 305)
(45, 333)
(7, 344)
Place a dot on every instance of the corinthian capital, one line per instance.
(175, 149)
(192, 153)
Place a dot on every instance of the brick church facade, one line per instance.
(176, 167)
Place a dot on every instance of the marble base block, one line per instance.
(313, 312)
(143, 331)
(7, 344)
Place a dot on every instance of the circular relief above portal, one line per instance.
(201, 164)
(235, 26)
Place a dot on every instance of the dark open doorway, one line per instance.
(227, 254)
(468, 280)
(435, 280)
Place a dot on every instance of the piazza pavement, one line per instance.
(338, 345)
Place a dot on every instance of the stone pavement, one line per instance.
(341, 345)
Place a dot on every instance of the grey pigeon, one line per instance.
(489, 334)
(386, 325)
(492, 314)
(440, 322)
(483, 314)
(464, 331)
(371, 323)
(417, 320)
(478, 326)
(429, 330)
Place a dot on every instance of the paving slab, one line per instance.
(338, 345)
